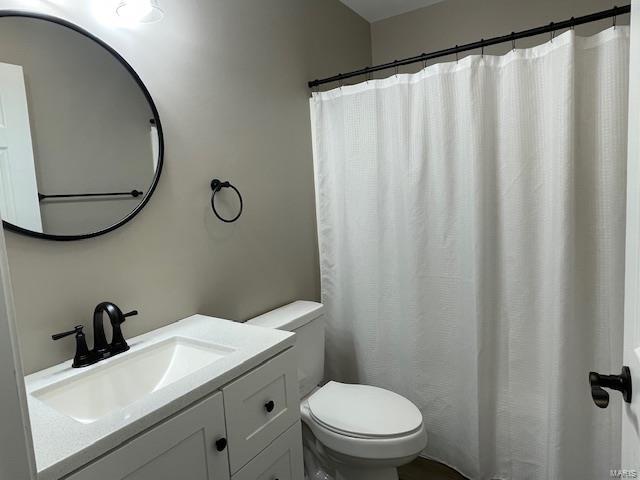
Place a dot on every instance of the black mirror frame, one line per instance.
(156, 118)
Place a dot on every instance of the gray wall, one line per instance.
(455, 22)
(229, 78)
(89, 124)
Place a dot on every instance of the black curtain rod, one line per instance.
(512, 37)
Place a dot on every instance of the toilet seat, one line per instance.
(364, 411)
(364, 422)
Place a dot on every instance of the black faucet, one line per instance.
(118, 344)
(101, 349)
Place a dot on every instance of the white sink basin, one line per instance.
(90, 395)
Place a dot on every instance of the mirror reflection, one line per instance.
(79, 146)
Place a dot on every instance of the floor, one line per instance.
(423, 469)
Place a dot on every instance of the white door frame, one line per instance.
(17, 459)
(631, 412)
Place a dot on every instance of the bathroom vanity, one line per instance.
(201, 399)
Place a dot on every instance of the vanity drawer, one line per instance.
(282, 460)
(260, 406)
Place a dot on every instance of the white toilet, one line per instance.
(350, 432)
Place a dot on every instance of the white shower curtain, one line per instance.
(471, 233)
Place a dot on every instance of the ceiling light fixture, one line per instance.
(139, 11)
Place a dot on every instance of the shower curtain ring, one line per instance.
(397, 68)
(456, 53)
(573, 23)
(553, 32)
(424, 61)
(513, 40)
(615, 16)
(482, 48)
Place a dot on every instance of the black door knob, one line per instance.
(621, 383)
(269, 406)
(221, 444)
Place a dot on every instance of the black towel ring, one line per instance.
(216, 186)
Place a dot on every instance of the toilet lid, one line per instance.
(364, 410)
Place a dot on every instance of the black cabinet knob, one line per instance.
(269, 406)
(221, 444)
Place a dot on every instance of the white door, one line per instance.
(186, 447)
(19, 203)
(155, 147)
(630, 462)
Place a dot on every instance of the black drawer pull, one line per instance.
(221, 444)
(269, 406)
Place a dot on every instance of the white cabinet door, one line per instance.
(19, 203)
(182, 448)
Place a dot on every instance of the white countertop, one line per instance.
(63, 444)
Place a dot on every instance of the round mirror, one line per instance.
(80, 138)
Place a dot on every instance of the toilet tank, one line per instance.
(306, 320)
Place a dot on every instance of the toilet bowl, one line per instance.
(350, 432)
(360, 432)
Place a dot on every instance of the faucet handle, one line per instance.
(83, 357)
(118, 343)
(77, 330)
